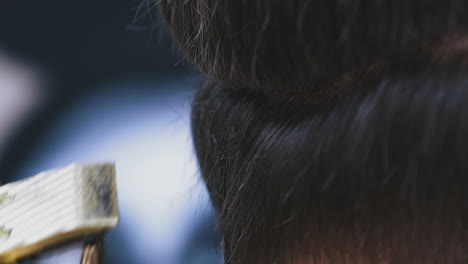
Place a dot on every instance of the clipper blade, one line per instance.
(56, 206)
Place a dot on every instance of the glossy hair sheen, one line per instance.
(332, 131)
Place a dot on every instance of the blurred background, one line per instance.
(100, 80)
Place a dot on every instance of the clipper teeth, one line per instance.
(56, 206)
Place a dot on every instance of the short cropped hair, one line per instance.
(332, 131)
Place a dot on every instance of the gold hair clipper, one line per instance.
(58, 216)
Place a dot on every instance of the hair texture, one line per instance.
(332, 131)
(278, 46)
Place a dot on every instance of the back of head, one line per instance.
(332, 131)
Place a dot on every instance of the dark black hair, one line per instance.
(332, 131)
